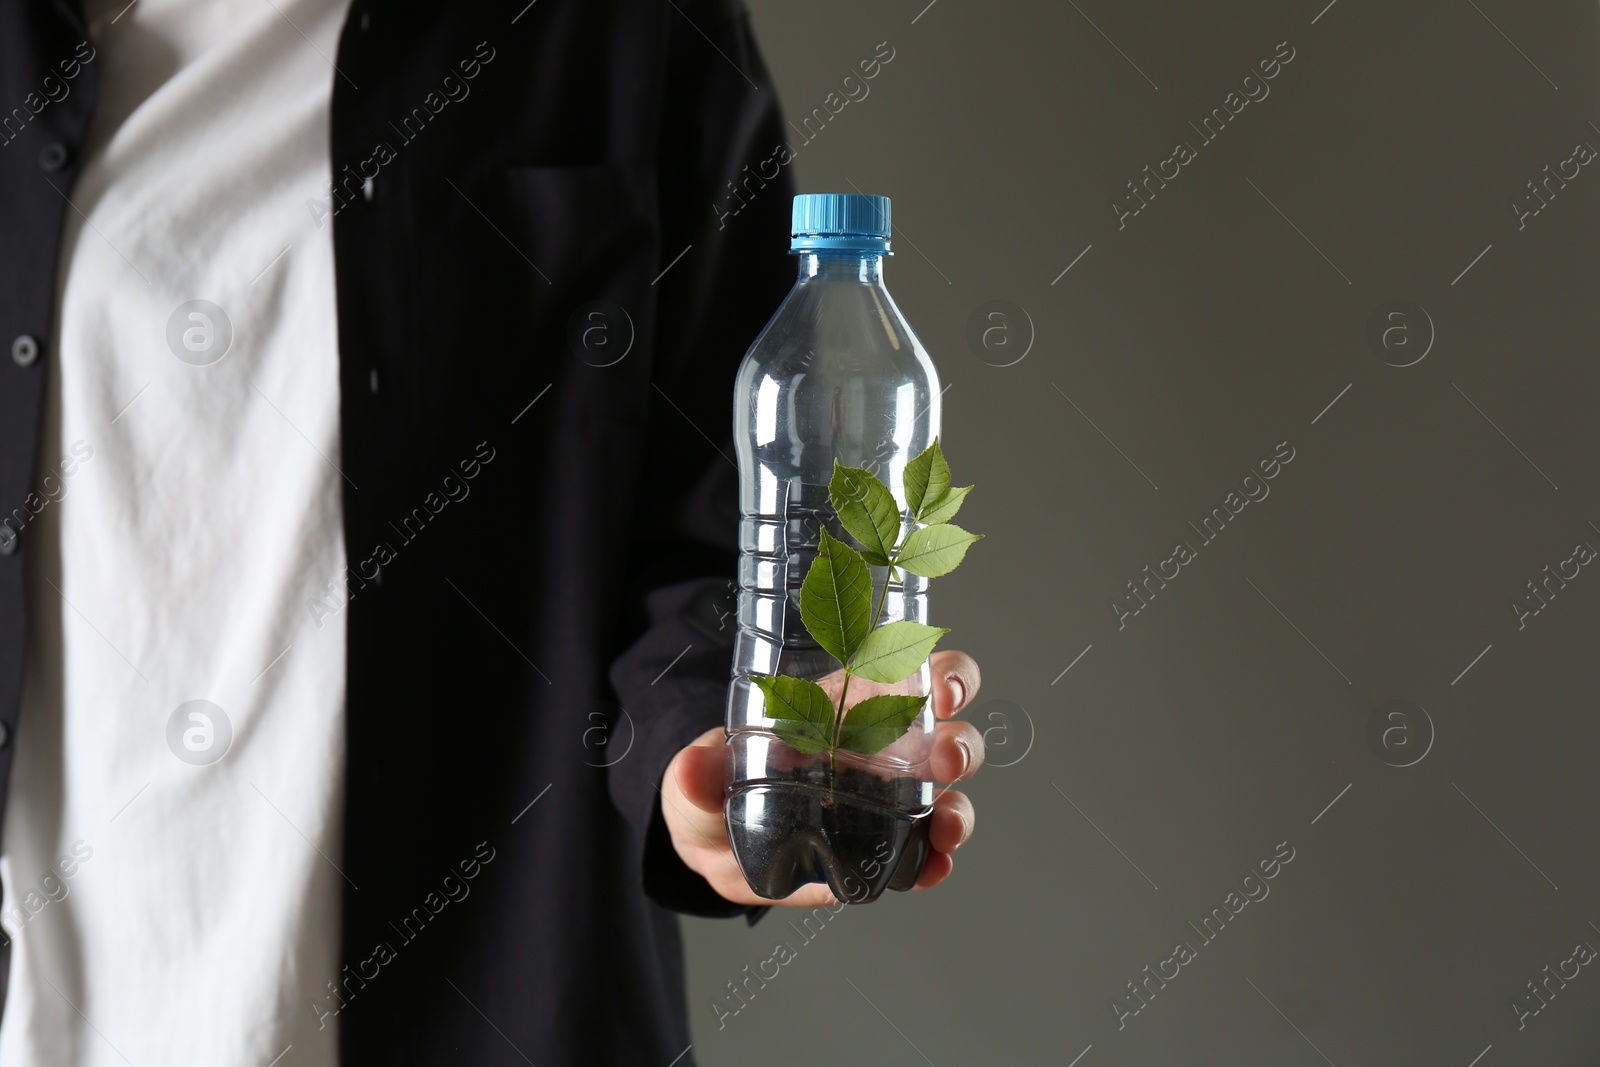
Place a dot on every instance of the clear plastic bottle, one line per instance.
(836, 374)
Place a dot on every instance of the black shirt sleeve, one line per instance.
(725, 190)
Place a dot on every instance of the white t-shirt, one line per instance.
(164, 909)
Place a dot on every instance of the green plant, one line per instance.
(837, 609)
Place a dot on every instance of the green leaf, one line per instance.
(803, 711)
(892, 653)
(867, 509)
(836, 598)
(927, 478)
(801, 736)
(878, 722)
(936, 550)
(944, 509)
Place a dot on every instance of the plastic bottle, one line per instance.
(836, 374)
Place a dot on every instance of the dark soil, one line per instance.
(862, 836)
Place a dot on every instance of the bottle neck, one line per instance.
(864, 267)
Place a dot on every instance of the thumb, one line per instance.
(697, 772)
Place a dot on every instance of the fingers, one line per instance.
(957, 751)
(953, 821)
(935, 870)
(952, 825)
(955, 682)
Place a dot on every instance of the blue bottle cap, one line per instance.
(840, 222)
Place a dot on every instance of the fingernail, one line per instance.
(958, 693)
(966, 830)
(966, 757)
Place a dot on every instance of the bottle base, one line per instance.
(791, 835)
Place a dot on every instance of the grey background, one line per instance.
(1218, 724)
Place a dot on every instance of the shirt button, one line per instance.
(24, 350)
(54, 156)
(8, 540)
(366, 20)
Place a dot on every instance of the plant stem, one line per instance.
(844, 689)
